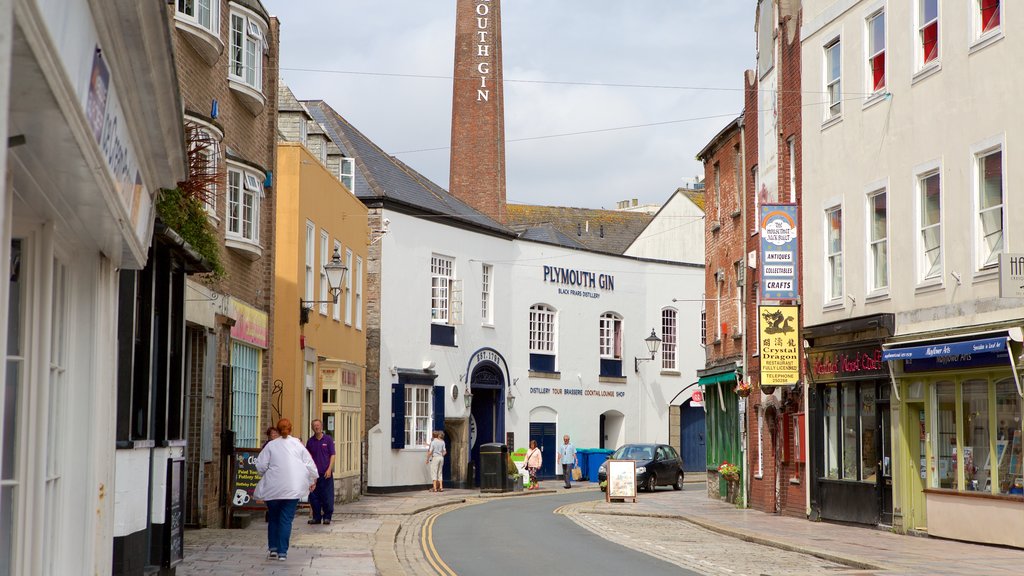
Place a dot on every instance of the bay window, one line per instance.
(244, 195)
(246, 50)
(202, 13)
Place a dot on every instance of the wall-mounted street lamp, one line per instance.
(653, 343)
(510, 398)
(467, 395)
(335, 271)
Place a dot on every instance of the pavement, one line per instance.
(381, 535)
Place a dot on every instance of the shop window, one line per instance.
(851, 425)
(831, 412)
(850, 433)
(868, 426)
(945, 429)
(1008, 438)
(245, 395)
(977, 466)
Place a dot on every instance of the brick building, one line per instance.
(227, 60)
(723, 328)
(772, 119)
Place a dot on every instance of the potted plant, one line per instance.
(731, 474)
(743, 389)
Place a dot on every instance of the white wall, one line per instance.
(641, 290)
(676, 233)
(937, 115)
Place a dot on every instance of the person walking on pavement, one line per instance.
(321, 449)
(567, 458)
(534, 460)
(435, 460)
(288, 473)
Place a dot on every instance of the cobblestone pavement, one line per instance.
(700, 550)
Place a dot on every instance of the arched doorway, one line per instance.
(692, 437)
(487, 420)
(612, 429)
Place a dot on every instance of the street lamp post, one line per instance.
(653, 343)
(335, 271)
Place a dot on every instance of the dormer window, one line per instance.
(347, 173)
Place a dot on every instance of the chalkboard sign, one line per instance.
(174, 543)
(244, 478)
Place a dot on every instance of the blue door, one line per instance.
(692, 433)
(544, 434)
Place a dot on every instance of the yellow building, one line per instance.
(319, 345)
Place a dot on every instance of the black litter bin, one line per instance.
(493, 467)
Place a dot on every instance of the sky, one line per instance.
(573, 139)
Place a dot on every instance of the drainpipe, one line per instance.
(743, 299)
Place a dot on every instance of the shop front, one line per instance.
(959, 430)
(849, 427)
(724, 443)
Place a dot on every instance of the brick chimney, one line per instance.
(477, 174)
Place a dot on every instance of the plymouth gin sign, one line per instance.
(779, 251)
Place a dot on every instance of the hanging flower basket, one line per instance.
(743, 389)
(729, 472)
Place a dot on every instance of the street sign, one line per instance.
(778, 343)
(697, 398)
(1011, 275)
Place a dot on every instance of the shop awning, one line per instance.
(981, 346)
(716, 378)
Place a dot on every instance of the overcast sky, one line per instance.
(677, 43)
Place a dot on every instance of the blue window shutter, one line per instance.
(439, 408)
(397, 416)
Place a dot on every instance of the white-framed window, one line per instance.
(834, 253)
(336, 312)
(418, 415)
(737, 158)
(791, 148)
(610, 336)
(990, 203)
(929, 188)
(246, 362)
(927, 32)
(204, 140)
(542, 329)
(202, 13)
(760, 443)
(833, 79)
(304, 131)
(719, 280)
(359, 293)
(486, 294)
(324, 258)
(703, 323)
(988, 17)
(878, 241)
(757, 197)
(244, 195)
(247, 37)
(737, 268)
(347, 173)
(718, 191)
(310, 259)
(876, 51)
(669, 338)
(348, 287)
(442, 272)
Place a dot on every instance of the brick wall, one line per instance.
(478, 124)
(375, 386)
(251, 138)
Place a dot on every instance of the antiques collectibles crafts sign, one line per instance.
(779, 250)
(778, 343)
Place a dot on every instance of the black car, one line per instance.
(656, 465)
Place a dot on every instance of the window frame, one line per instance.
(717, 183)
(979, 152)
(247, 181)
(487, 294)
(193, 19)
(414, 416)
(978, 25)
(610, 336)
(873, 85)
(442, 279)
(359, 292)
(831, 258)
(324, 287)
(336, 306)
(920, 24)
(670, 339)
(253, 36)
(833, 110)
(310, 259)
(348, 287)
(873, 192)
(349, 174)
(925, 277)
(543, 329)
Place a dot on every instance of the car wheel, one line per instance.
(652, 482)
(679, 482)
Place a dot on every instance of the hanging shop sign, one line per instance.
(778, 345)
(1011, 275)
(982, 353)
(251, 324)
(860, 363)
(697, 398)
(779, 252)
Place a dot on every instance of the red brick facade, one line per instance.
(478, 112)
(777, 480)
(249, 140)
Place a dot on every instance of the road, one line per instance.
(526, 536)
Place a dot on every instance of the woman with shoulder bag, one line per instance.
(533, 463)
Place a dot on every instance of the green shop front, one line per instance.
(959, 428)
(724, 436)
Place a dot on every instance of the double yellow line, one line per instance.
(427, 542)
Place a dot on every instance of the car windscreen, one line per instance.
(629, 452)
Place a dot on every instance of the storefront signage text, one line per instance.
(847, 363)
(778, 338)
(483, 48)
(580, 280)
(1011, 275)
(778, 229)
(250, 324)
(590, 392)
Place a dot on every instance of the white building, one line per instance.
(910, 197)
(92, 128)
(676, 232)
(542, 320)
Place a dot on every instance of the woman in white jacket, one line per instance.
(288, 473)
